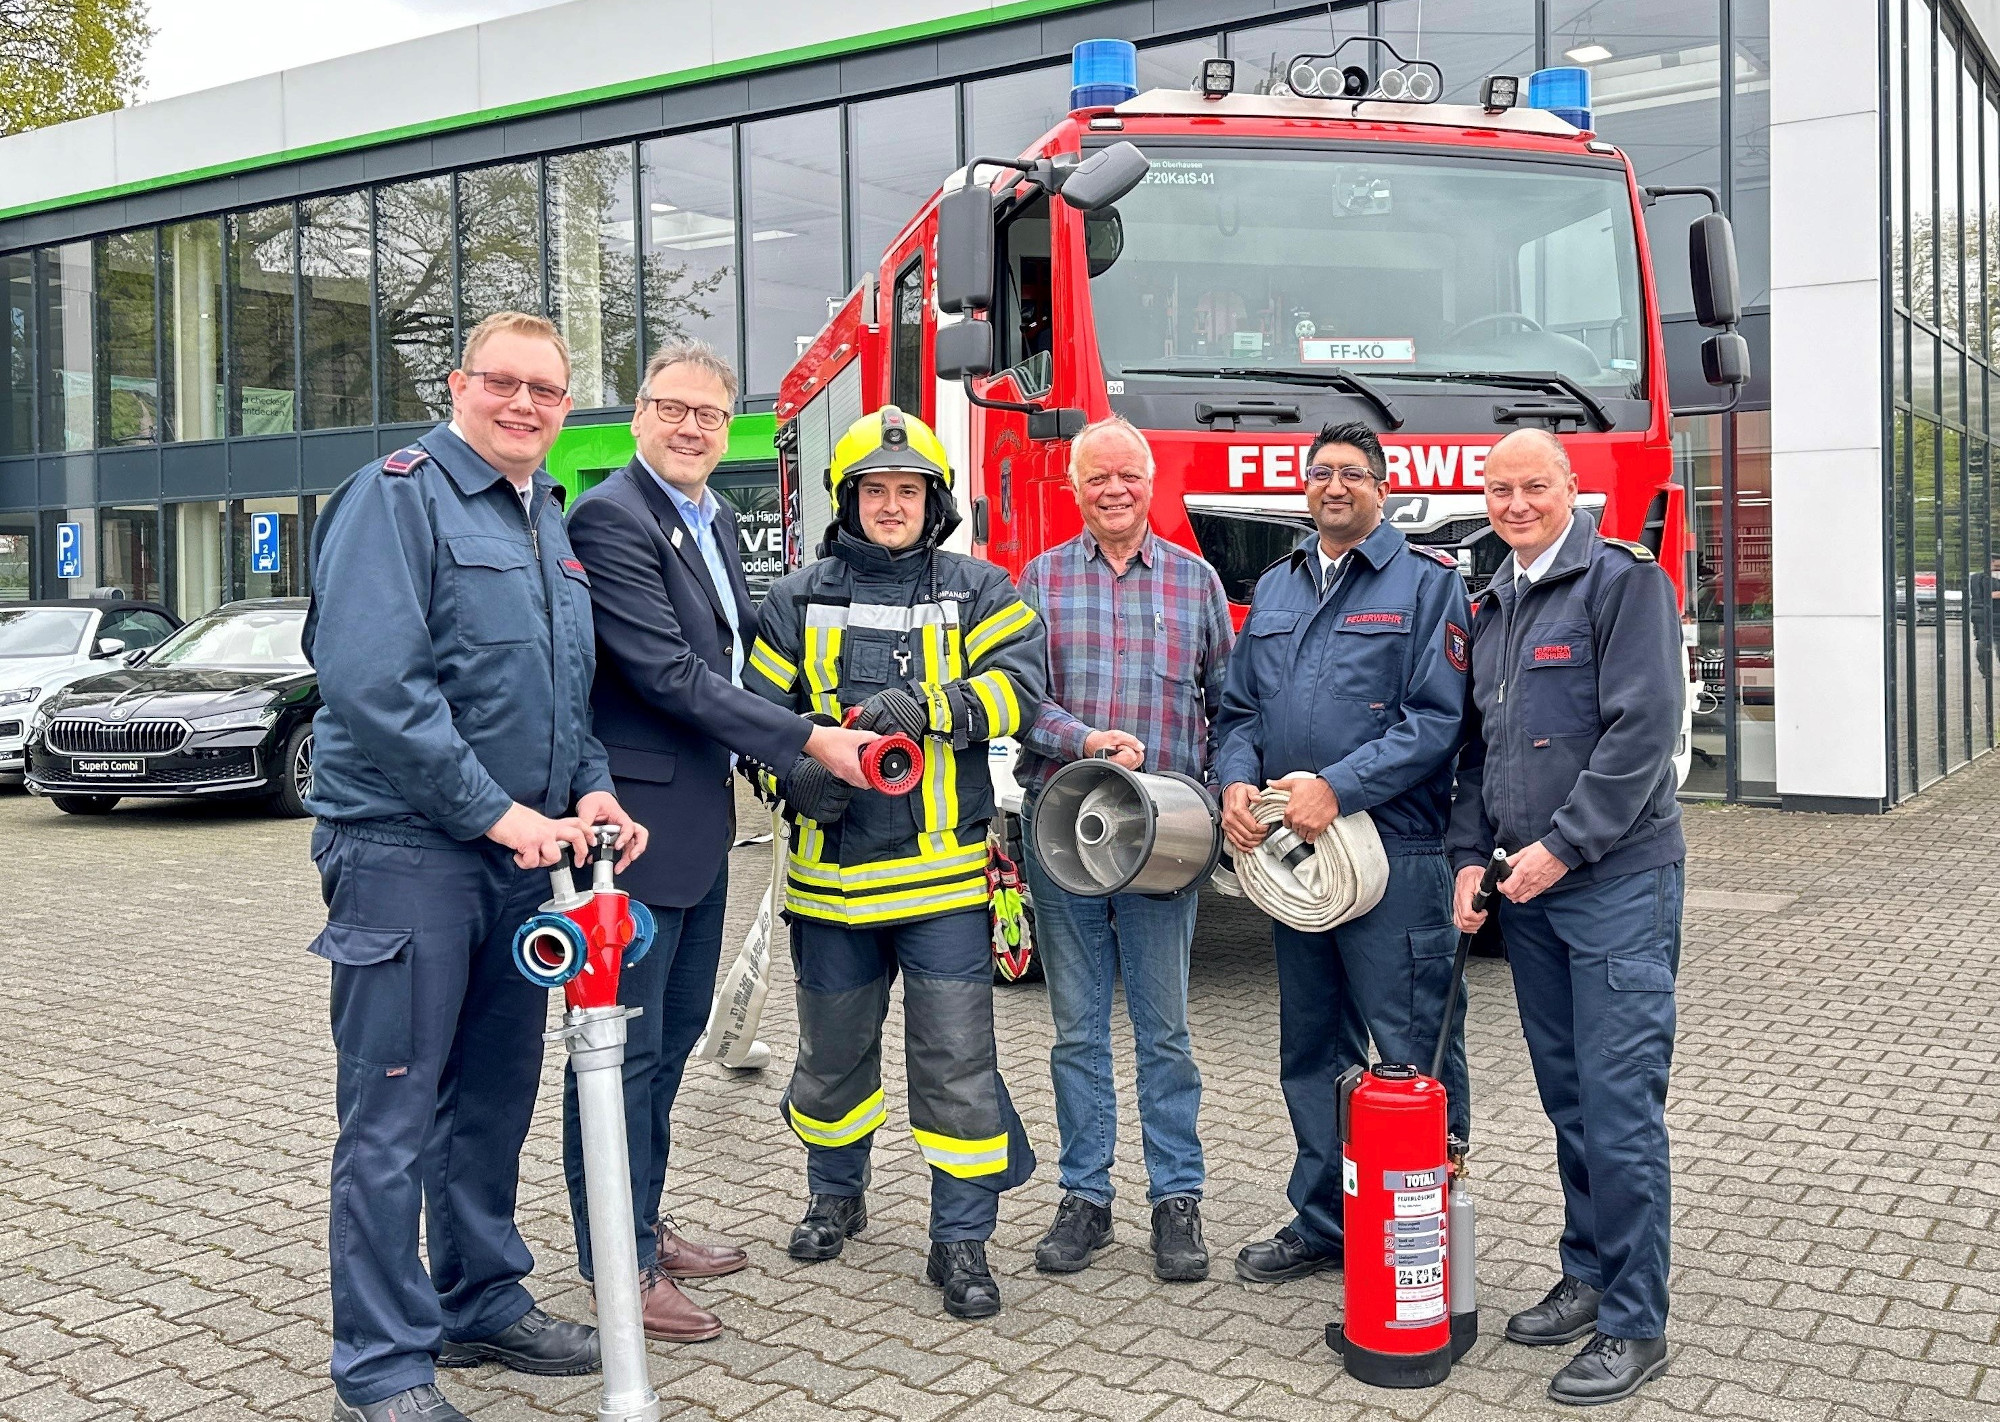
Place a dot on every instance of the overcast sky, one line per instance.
(199, 44)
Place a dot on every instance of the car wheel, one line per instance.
(295, 774)
(84, 804)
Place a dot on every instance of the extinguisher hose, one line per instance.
(1497, 868)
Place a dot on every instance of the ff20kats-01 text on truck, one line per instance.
(1231, 271)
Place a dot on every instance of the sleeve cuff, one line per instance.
(481, 815)
(1561, 848)
(1346, 787)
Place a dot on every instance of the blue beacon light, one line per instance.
(1103, 72)
(1565, 92)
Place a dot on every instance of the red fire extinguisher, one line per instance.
(1410, 1309)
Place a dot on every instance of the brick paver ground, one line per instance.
(166, 1118)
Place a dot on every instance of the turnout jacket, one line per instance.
(452, 635)
(1366, 688)
(1578, 685)
(854, 623)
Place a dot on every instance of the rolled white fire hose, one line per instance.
(731, 1036)
(1313, 887)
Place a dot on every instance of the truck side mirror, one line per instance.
(1712, 271)
(963, 348)
(1104, 177)
(1725, 359)
(965, 249)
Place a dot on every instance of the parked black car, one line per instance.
(220, 710)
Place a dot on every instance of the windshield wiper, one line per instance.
(1330, 379)
(1522, 380)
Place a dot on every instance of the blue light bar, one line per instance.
(1565, 92)
(1103, 72)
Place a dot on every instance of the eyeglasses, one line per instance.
(505, 386)
(672, 412)
(1352, 475)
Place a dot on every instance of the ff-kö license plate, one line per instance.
(80, 766)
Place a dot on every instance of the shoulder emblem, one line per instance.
(1457, 647)
(1436, 555)
(405, 460)
(1637, 550)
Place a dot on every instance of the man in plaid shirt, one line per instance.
(1139, 638)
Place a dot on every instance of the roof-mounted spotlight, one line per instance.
(1218, 78)
(1395, 79)
(1499, 92)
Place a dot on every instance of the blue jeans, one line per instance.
(675, 984)
(1087, 947)
(1594, 968)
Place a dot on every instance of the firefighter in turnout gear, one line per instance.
(939, 646)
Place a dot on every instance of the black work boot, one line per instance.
(1609, 1370)
(533, 1343)
(1569, 1312)
(959, 1268)
(830, 1221)
(1179, 1255)
(1284, 1256)
(1082, 1228)
(417, 1404)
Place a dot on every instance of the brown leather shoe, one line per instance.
(684, 1259)
(670, 1315)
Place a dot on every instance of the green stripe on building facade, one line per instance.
(584, 454)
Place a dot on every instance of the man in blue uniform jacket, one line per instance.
(1579, 679)
(674, 622)
(1348, 684)
(455, 764)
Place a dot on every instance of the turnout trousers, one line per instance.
(1383, 975)
(960, 1112)
(673, 985)
(440, 1055)
(1594, 967)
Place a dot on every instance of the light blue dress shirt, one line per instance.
(700, 519)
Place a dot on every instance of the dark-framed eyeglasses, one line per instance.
(504, 386)
(672, 412)
(1352, 475)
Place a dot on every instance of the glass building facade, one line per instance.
(165, 381)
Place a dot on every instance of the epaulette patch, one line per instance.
(404, 460)
(1436, 555)
(1637, 550)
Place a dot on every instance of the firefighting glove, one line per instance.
(815, 793)
(890, 710)
(952, 713)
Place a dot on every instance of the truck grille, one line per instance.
(72, 735)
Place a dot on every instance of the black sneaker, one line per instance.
(1609, 1370)
(1284, 1256)
(830, 1221)
(533, 1343)
(1082, 1228)
(959, 1268)
(417, 1404)
(1179, 1255)
(1567, 1314)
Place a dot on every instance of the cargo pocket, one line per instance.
(373, 1016)
(1639, 1021)
(494, 590)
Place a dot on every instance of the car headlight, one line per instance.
(242, 718)
(20, 696)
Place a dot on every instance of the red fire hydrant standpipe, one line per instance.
(1412, 1310)
(578, 942)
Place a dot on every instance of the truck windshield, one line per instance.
(1244, 260)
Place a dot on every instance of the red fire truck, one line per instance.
(1232, 271)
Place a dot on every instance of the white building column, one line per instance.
(1827, 382)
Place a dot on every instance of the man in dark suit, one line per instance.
(674, 622)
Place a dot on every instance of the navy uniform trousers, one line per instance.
(1383, 975)
(440, 1044)
(831, 959)
(1594, 967)
(673, 985)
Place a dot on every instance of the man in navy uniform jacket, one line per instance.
(674, 622)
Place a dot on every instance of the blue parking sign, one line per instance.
(69, 550)
(264, 543)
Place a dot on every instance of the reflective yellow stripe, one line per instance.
(885, 873)
(987, 635)
(939, 787)
(965, 1159)
(995, 690)
(772, 665)
(823, 668)
(887, 908)
(847, 1130)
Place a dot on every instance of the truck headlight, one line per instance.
(20, 696)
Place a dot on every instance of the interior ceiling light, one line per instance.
(1589, 52)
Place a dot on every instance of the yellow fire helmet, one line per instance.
(890, 439)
